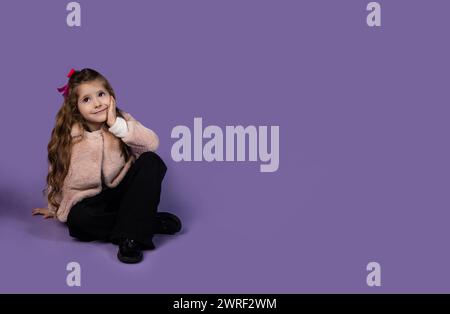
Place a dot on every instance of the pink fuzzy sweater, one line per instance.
(97, 155)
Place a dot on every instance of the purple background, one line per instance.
(364, 152)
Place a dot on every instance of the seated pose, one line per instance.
(104, 178)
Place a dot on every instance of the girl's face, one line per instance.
(93, 103)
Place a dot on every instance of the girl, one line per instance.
(104, 178)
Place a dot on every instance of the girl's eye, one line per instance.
(85, 100)
(101, 93)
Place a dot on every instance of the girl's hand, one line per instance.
(111, 114)
(42, 211)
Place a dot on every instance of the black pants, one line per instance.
(128, 210)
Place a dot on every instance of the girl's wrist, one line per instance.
(119, 128)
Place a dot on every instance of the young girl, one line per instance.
(104, 178)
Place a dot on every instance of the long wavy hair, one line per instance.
(60, 145)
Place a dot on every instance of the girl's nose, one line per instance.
(97, 103)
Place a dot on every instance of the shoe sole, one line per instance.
(129, 260)
(174, 217)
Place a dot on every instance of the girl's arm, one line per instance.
(139, 138)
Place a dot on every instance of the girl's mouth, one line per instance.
(100, 111)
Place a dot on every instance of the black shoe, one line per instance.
(129, 252)
(167, 223)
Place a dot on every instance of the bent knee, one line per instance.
(152, 158)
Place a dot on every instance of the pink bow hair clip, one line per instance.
(65, 89)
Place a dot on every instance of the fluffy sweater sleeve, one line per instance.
(139, 138)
